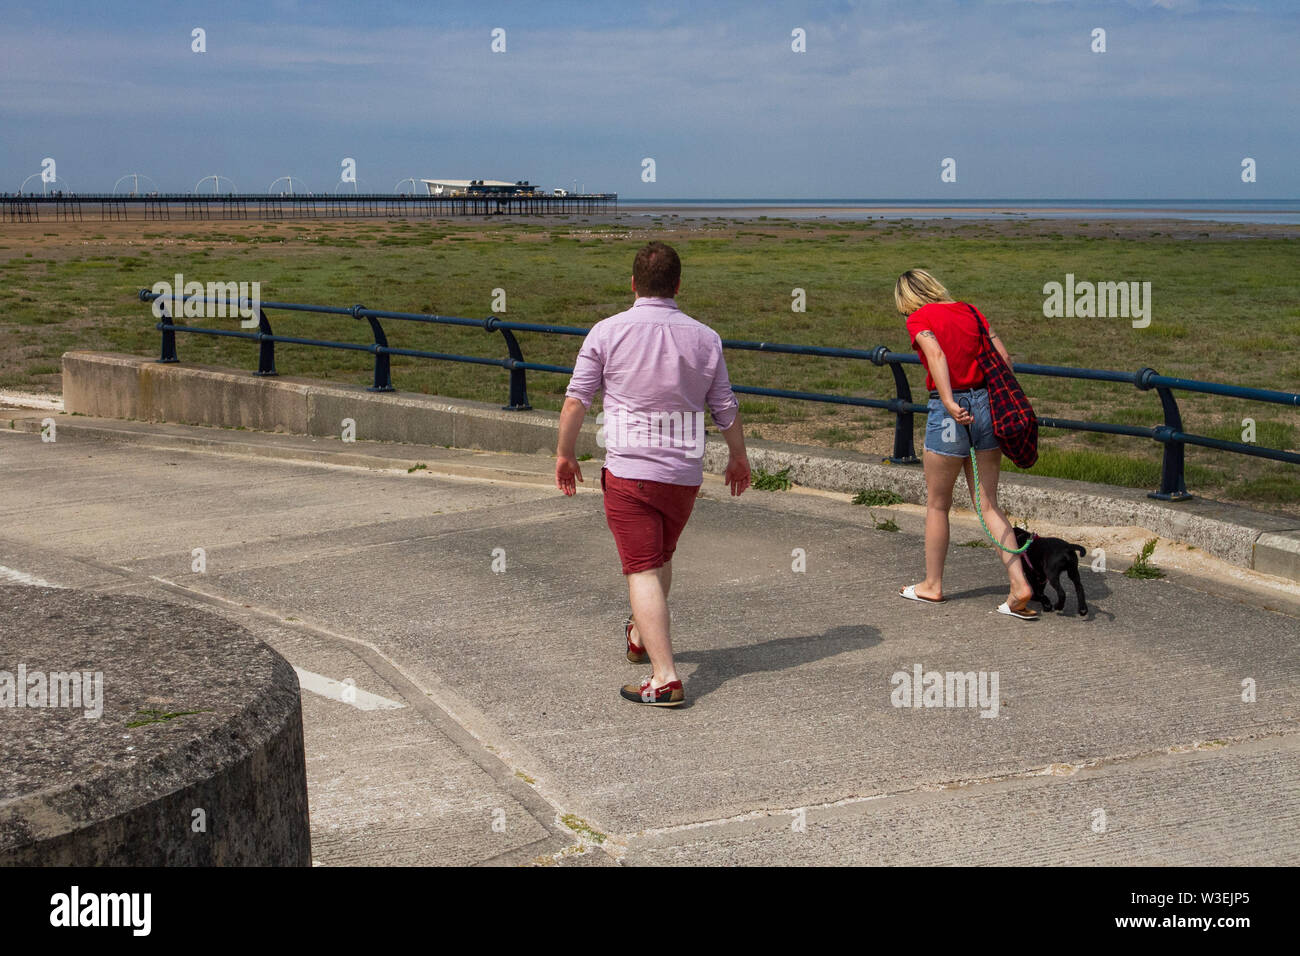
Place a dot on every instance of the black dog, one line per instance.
(1045, 560)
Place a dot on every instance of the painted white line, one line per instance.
(22, 577)
(343, 692)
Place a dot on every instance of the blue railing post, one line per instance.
(904, 447)
(1173, 485)
(518, 383)
(168, 336)
(383, 370)
(266, 346)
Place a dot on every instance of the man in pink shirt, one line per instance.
(660, 370)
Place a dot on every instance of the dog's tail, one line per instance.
(1083, 552)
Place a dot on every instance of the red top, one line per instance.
(959, 337)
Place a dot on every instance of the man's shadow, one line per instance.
(716, 667)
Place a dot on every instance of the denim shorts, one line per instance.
(944, 436)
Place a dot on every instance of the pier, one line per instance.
(181, 206)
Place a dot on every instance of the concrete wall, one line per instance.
(256, 813)
(220, 781)
(105, 385)
(119, 386)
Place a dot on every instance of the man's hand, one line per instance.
(566, 469)
(566, 461)
(737, 474)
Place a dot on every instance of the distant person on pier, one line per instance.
(659, 370)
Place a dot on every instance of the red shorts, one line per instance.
(646, 518)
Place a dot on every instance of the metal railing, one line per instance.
(1170, 433)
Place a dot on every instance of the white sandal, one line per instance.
(909, 592)
(1024, 613)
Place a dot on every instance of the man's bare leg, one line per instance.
(648, 592)
(666, 578)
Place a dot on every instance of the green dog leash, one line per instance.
(975, 470)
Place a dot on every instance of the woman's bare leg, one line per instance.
(990, 463)
(940, 478)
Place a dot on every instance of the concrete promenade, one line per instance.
(458, 713)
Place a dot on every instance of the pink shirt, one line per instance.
(660, 370)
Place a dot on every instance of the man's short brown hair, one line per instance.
(657, 270)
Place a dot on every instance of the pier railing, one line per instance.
(1170, 434)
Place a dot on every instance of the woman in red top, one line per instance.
(948, 341)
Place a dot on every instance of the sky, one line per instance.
(713, 93)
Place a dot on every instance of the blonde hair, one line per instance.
(916, 288)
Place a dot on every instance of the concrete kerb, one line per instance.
(107, 385)
(1278, 553)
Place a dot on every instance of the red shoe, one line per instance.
(670, 695)
(635, 652)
